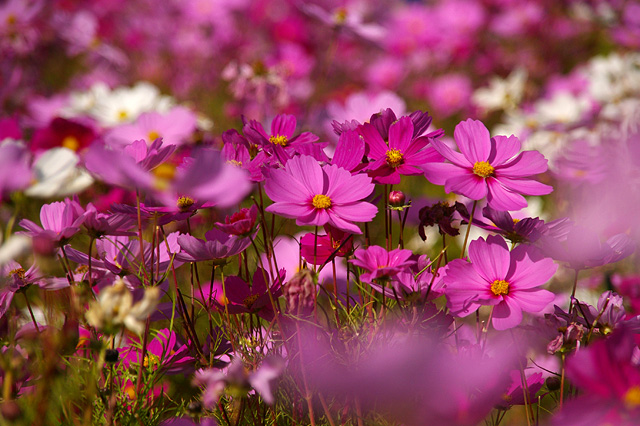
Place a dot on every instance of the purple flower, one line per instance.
(526, 230)
(242, 298)
(98, 224)
(507, 280)
(218, 245)
(14, 279)
(488, 167)
(380, 263)
(403, 155)
(319, 195)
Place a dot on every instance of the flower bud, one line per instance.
(300, 293)
(396, 198)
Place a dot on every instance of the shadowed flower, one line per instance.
(218, 245)
(380, 263)
(488, 167)
(319, 195)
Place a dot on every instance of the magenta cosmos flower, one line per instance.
(507, 280)
(488, 167)
(320, 195)
(403, 155)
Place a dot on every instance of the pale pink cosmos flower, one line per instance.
(319, 195)
(508, 280)
(488, 167)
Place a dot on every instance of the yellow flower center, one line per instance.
(340, 15)
(394, 158)
(632, 397)
(483, 169)
(12, 19)
(500, 287)
(279, 140)
(151, 360)
(234, 163)
(153, 135)
(184, 203)
(321, 201)
(20, 272)
(250, 300)
(164, 174)
(71, 142)
(123, 115)
(516, 221)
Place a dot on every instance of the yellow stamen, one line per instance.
(151, 360)
(279, 140)
(234, 163)
(321, 201)
(394, 158)
(164, 174)
(340, 15)
(123, 115)
(20, 272)
(153, 135)
(632, 397)
(184, 203)
(500, 287)
(516, 221)
(483, 169)
(71, 142)
(12, 19)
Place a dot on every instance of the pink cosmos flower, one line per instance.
(488, 167)
(320, 195)
(381, 263)
(507, 280)
(218, 245)
(60, 221)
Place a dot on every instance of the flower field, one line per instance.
(325, 213)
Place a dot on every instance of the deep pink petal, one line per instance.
(528, 163)
(526, 186)
(473, 139)
(526, 273)
(500, 198)
(307, 171)
(290, 210)
(281, 186)
(400, 134)
(349, 151)
(377, 146)
(531, 300)
(506, 314)
(455, 157)
(342, 224)
(503, 149)
(355, 212)
(346, 188)
(439, 173)
(467, 184)
(283, 125)
(490, 258)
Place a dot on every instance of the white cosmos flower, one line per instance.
(57, 174)
(502, 94)
(563, 108)
(125, 104)
(115, 309)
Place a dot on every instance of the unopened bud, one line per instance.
(553, 383)
(10, 410)
(396, 198)
(300, 292)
